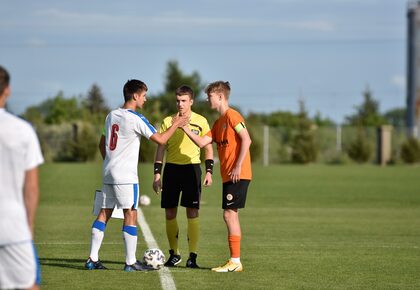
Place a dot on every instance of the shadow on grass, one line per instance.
(78, 264)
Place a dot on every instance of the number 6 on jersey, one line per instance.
(114, 137)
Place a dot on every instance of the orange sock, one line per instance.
(235, 246)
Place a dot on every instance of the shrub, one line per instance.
(360, 150)
(284, 153)
(54, 140)
(410, 151)
(304, 147)
(147, 151)
(338, 159)
(256, 147)
(85, 146)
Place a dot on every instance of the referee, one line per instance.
(182, 174)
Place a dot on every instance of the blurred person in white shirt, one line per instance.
(20, 156)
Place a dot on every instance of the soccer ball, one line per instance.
(144, 200)
(154, 258)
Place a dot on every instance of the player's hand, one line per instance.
(180, 121)
(157, 185)
(208, 180)
(185, 128)
(235, 174)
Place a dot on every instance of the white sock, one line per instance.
(130, 242)
(96, 242)
(236, 260)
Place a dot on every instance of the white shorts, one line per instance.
(120, 195)
(19, 266)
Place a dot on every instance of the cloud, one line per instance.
(317, 25)
(399, 81)
(319, 2)
(59, 19)
(50, 87)
(35, 42)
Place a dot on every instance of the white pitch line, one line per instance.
(165, 276)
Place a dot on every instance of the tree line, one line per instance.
(79, 119)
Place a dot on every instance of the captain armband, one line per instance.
(239, 127)
(157, 168)
(209, 165)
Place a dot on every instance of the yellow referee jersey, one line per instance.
(179, 148)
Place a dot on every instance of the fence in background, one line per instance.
(332, 143)
(271, 145)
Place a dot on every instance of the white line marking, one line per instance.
(165, 276)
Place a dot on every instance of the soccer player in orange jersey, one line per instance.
(233, 141)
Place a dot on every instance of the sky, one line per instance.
(273, 52)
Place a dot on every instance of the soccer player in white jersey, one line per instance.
(20, 156)
(119, 147)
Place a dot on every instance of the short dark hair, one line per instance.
(4, 79)
(131, 87)
(219, 87)
(185, 90)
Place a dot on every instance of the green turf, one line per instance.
(304, 227)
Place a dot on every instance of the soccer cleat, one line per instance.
(91, 265)
(138, 266)
(229, 267)
(191, 262)
(173, 259)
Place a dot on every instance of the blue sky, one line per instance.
(273, 52)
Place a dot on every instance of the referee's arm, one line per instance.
(157, 168)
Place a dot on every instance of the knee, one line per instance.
(130, 217)
(170, 213)
(104, 215)
(226, 216)
(192, 213)
(229, 215)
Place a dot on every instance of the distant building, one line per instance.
(413, 68)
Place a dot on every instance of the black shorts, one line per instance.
(234, 194)
(181, 178)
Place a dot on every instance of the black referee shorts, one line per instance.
(181, 178)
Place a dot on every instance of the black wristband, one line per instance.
(157, 168)
(209, 165)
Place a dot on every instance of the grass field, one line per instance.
(304, 227)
